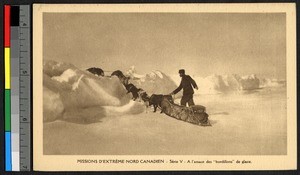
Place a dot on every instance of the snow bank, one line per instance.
(68, 89)
(65, 76)
(52, 107)
(154, 82)
(132, 107)
(76, 95)
(266, 82)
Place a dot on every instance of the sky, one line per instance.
(201, 43)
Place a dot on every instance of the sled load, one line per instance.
(194, 114)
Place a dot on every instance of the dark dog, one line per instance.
(144, 96)
(96, 71)
(124, 80)
(133, 90)
(156, 100)
(117, 73)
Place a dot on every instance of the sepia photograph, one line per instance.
(163, 83)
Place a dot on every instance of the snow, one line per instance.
(52, 106)
(249, 82)
(247, 113)
(79, 90)
(218, 84)
(154, 82)
(131, 108)
(100, 92)
(155, 74)
(131, 72)
(242, 124)
(266, 82)
(76, 84)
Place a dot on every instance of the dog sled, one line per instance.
(194, 114)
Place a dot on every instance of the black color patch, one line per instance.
(15, 16)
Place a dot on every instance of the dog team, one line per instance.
(155, 100)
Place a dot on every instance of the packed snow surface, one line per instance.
(87, 114)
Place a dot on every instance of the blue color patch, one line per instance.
(8, 166)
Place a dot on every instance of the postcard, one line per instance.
(164, 87)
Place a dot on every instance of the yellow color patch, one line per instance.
(7, 67)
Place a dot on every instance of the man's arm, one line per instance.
(193, 83)
(177, 89)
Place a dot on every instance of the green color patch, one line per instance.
(7, 110)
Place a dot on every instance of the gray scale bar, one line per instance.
(24, 88)
(15, 111)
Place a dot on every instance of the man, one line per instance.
(187, 84)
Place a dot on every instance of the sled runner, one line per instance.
(195, 114)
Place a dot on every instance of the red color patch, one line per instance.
(7, 26)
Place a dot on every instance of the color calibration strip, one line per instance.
(7, 96)
(17, 87)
